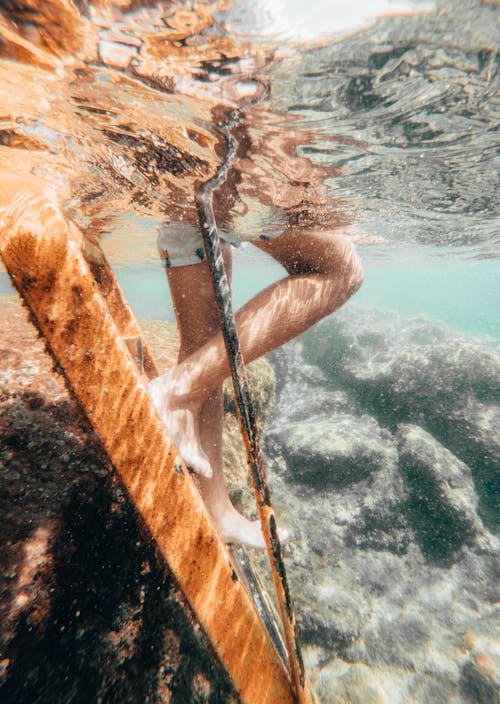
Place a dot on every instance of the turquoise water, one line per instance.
(461, 293)
(383, 443)
(464, 295)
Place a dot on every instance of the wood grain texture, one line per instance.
(42, 253)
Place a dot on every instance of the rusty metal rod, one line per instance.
(213, 251)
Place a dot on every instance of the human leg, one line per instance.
(200, 425)
(324, 271)
(197, 322)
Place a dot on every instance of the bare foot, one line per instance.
(235, 528)
(181, 418)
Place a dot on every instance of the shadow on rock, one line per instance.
(335, 451)
(413, 370)
(88, 612)
(442, 504)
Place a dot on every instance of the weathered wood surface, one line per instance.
(42, 253)
(52, 58)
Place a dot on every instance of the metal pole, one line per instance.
(213, 251)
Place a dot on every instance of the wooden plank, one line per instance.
(116, 302)
(42, 253)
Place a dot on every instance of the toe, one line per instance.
(198, 463)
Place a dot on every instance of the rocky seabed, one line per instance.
(384, 451)
(382, 436)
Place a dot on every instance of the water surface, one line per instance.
(405, 111)
(379, 120)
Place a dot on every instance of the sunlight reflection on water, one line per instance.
(375, 118)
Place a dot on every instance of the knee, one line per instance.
(345, 264)
(355, 270)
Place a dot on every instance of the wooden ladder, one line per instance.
(79, 309)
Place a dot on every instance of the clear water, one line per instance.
(393, 109)
(463, 294)
(406, 108)
(397, 101)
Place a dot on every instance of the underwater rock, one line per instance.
(425, 384)
(235, 465)
(363, 342)
(341, 682)
(474, 433)
(290, 367)
(417, 371)
(333, 452)
(398, 638)
(304, 391)
(378, 521)
(301, 402)
(404, 368)
(330, 613)
(262, 386)
(388, 568)
(330, 616)
(480, 676)
(349, 459)
(442, 504)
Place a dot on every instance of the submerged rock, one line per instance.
(262, 387)
(383, 458)
(340, 682)
(331, 616)
(480, 675)
(415, 371)
(473, 431)
(360, 345)
(442, 505)
(304, 391)
(332, 452)
(351, 465)
(406, 369)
